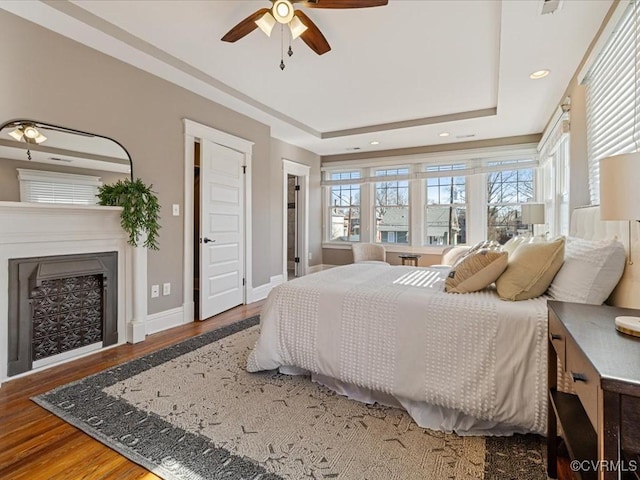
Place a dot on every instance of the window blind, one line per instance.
(612, 106)
(52, 187)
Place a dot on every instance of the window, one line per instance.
(446, 208)
(392, 207)
(506, 190)
(420, 201)
(39, 186)
(611, 119)
(344, 208)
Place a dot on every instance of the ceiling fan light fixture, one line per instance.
(28, 133)
(266, 23)
(297, 27)
(282, 11)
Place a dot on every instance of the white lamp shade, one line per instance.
(620, 187)
(266, 23)
(533, 213)
(297, 27)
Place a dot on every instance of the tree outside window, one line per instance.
(344, 209)
(506, 191)
(392, 208)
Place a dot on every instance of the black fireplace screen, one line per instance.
(67, 314)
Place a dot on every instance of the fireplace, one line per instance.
(45, 231)
(60, 306)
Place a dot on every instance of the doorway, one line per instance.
(293, 250)
(217, 262)
(295, 219)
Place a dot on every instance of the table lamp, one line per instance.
(620, 200)
(532, 214)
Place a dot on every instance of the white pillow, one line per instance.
(590, 272)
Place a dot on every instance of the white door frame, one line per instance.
(192, 132)
(302, 172)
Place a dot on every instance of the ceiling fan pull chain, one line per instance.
(290, 36)
(282, 47)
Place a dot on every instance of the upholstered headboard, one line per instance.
(586, 223)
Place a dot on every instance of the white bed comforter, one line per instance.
(393, 330)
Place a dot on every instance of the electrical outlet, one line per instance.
(166, 289)
(155, 291)
(310, 256)
(176, 210)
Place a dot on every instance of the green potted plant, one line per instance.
(140, 209)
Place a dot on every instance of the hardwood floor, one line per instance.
(34, 444)
(37, 445)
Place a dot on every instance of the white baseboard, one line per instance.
(319, 268)
(261, 292)
(160, 321)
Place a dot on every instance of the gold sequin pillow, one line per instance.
(476, 271)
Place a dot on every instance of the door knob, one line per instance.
(207, 240)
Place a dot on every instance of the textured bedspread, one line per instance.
(394, 330)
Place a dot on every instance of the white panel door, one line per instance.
(221, 229)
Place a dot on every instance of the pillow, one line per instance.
(476, 271)
(590, 272)
(531, 269)
(513, 243)
(453, 254)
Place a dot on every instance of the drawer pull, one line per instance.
(555, 336)
(578, 377)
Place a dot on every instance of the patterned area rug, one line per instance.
(191, 411)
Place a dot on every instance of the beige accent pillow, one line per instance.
(451, 256)
(513, 243)
(531, 269)
(476, 271)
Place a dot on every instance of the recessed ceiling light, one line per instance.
(375, 142)
(539, 74)
(444, 134)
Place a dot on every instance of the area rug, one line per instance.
(191, 411)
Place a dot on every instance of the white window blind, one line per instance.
(612, 84)
(38, 186)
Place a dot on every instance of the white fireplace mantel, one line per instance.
(39, 230)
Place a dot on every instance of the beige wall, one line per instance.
(50, 78)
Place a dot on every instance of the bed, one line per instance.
(469, 363)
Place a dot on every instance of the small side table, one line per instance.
(409, 259)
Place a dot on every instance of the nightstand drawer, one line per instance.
(586, 380)
(558, 336)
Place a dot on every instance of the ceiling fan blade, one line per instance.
(312, 36)
(245, 27)
(341, 3)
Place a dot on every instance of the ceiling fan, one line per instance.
(283, 12)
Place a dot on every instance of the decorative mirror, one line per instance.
(43, 143)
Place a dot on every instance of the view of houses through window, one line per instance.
(380, 201)
(392, 208)
(344, 209)
(446, 208)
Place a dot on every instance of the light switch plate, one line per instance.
(166, 289)
(176, 210)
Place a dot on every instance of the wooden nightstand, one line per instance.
(601, 424)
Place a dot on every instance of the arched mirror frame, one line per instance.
(49, 126)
